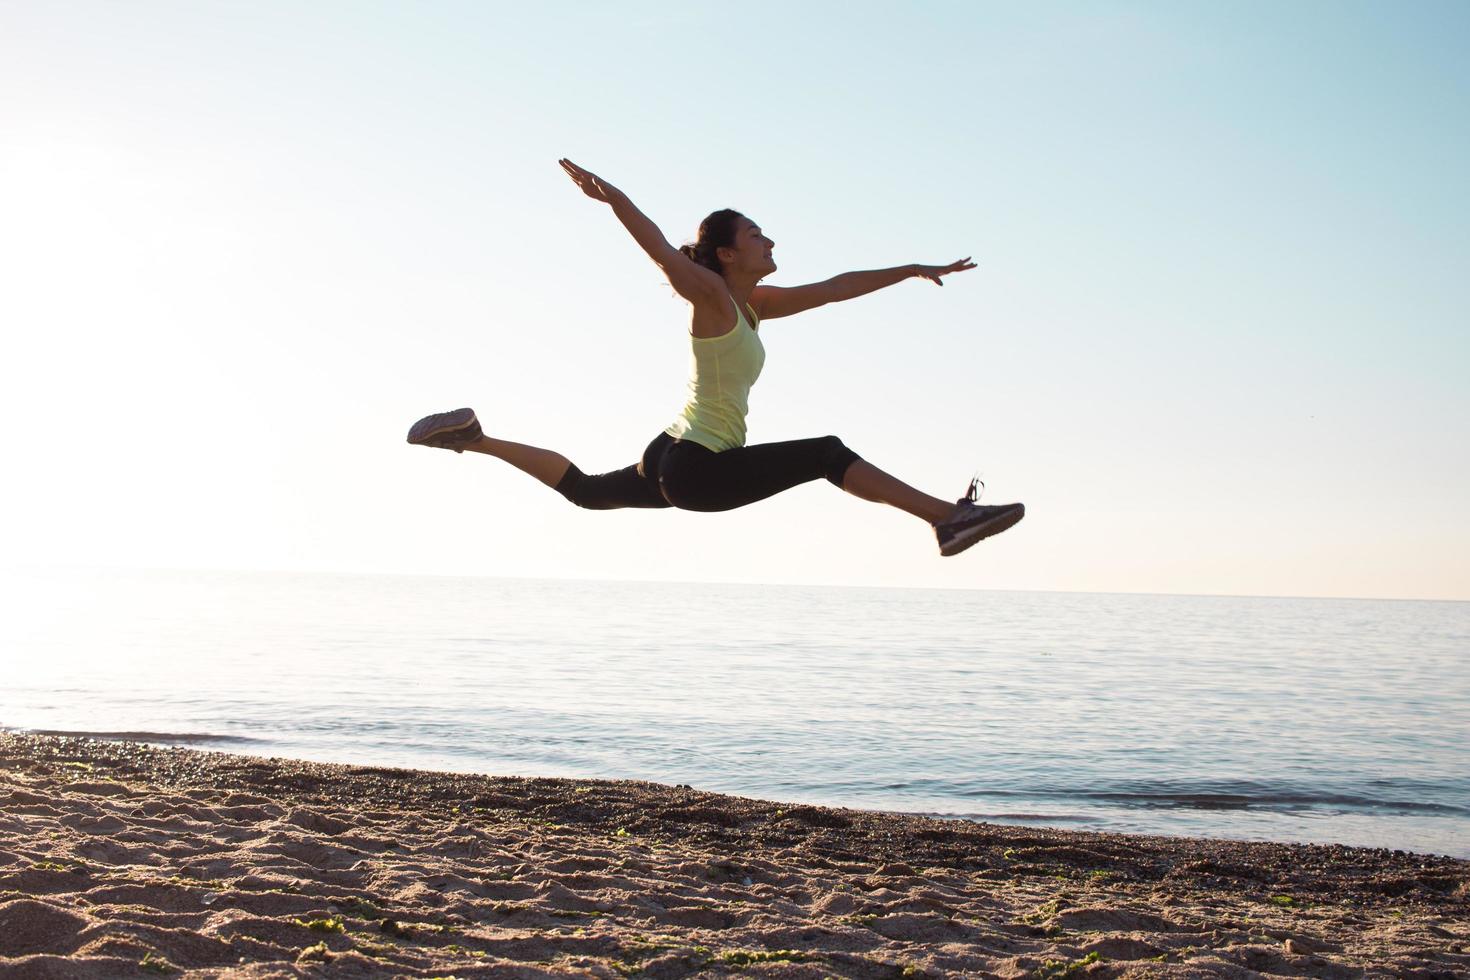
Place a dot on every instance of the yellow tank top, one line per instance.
(721, 371)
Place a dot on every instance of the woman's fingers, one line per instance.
(587, 182)
(591, 184)
(576, 171)
(961, 266)
(933, 272)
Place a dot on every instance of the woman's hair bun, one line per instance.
(715, 232)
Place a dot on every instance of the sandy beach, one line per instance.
(122, 860)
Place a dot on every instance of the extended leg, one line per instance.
(865, 480)
(459, 430)
(626, 487)
(956, 526)
(697, 479)
(545, 465)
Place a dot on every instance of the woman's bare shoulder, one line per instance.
(714, 318)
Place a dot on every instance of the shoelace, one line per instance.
(972, 495)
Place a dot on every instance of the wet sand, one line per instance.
(123, 860)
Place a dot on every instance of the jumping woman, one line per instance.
(701, 461)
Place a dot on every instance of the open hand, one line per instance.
(933, 272)
(592, 185)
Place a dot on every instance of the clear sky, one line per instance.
(1217, 339)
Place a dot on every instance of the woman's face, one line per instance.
(750, 252)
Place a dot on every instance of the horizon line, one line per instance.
(365, 573)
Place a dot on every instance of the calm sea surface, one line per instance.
(1288, 719)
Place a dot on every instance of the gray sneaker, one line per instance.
(447, 430)
(970, 522)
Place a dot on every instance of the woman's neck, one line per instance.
(741, 288)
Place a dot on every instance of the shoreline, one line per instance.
(1061, 819)
(122, 859)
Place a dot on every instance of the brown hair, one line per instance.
(715, 232)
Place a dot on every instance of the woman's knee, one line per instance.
(570, 486)
(836, 458)
(617, 490)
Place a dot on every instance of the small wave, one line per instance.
(1273, 801)
(166, 738)
(1046, 818)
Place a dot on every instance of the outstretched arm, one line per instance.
(778, 301)
(690, 280)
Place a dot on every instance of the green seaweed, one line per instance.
(333, 924)
(154, 963)
(1042, 912)
(357, 906)
(368, 947)
(213, 884)
(319, 952)
(463, 951)
(745, 957)
(1057, 969)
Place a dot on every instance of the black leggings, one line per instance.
(677, 473)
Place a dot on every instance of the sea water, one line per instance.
(1285, 719)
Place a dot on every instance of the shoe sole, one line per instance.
(985, 529)
(429, 430)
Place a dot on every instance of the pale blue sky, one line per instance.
(1217, 339)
